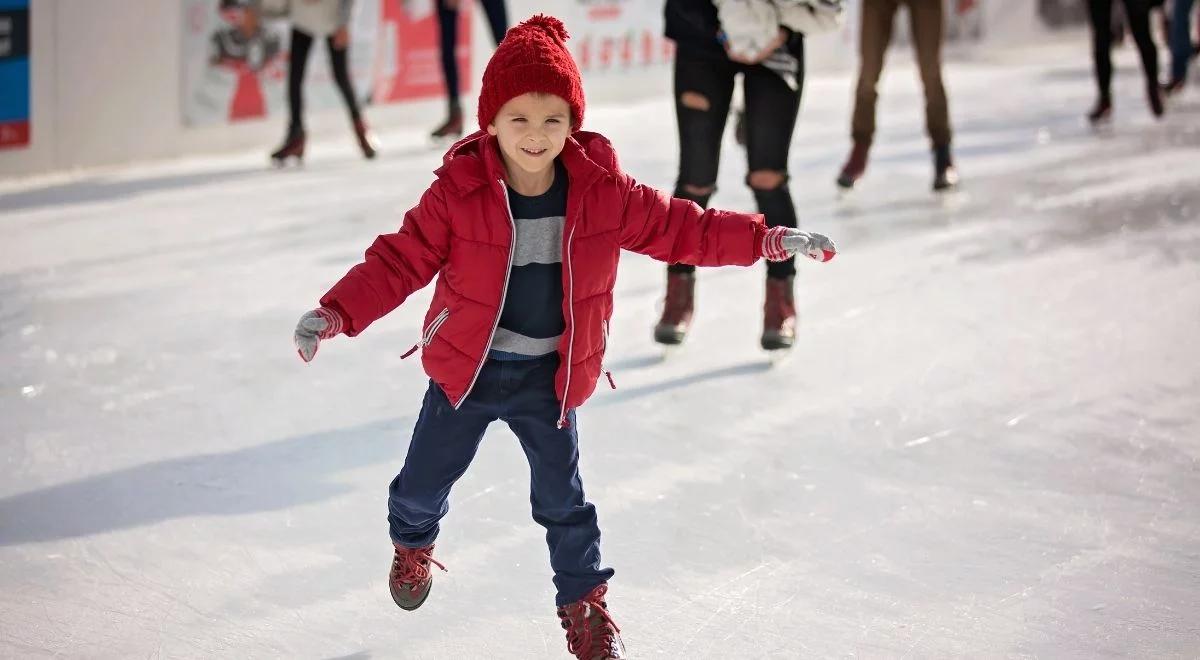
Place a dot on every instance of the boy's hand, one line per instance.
(314, 326)
(781, 243)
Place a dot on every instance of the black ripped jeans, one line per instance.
(771, 110)
(298, 61)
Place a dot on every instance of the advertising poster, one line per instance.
(235, 64)
(616, 35)
(14, 74)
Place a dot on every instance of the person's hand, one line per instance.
(314, 326)
(341, 38)
(781, 243)
(756, 57)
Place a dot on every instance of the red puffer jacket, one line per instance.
(462, 229)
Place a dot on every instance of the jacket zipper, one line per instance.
(512, 244)
(604, 353)
(562, 417)
(430, 331)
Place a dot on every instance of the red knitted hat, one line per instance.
(532, 57)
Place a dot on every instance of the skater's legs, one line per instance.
(1181, 38)
(1138, 14)
(338, 62)
(448, 32)
(556, 490)
(703, 90)
(301, 42)
(771, 110)
(928, 20)
(1100, 15)
(443, 444)
(874, 35)
(497, 18)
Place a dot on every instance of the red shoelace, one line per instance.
(411, 565)
(584, 639)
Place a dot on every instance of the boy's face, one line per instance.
(531, 130)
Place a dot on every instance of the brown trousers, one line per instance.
(927, 27)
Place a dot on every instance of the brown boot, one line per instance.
(856, 165)
(452, 129)
(366, 139)
(591, 632)
(677, 309)
(779, 315)
(409, 579)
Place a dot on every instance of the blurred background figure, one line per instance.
(314, 19)
(928, 27)
(762, 41)
(1137, 16)
(497, 18)
(1182, 48)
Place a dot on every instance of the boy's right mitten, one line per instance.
(314, 326)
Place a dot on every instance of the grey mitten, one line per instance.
(781, 243)
(314, 326)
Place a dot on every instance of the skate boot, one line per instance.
(591, 632)
(945, 177)
(1101, 113)
(366, 139)
(677, 309)
(855, 167)
(293, 147)
(409, 578)
(1173, 87)
(1154, 99)
(452, 129)
(779, 315)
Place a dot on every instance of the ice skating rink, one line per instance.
(985, 444)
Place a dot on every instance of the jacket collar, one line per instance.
(475, 161)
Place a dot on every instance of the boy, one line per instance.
(524, 225)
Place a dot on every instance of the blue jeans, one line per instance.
(1181, 39)
(445, 440)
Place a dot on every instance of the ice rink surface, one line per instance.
(986, 442)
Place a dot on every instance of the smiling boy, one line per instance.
(523, 227)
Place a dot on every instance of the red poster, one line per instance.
(410, 58)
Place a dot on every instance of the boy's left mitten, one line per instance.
(781, 243)
(321, 323)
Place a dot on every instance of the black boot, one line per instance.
(945, 177)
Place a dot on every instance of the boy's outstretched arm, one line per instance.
(394, 267)
(678, 231)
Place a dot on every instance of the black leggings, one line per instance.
(771, 110)
(1137, 12)
(448, 29)
(298, 62)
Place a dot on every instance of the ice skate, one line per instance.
(779, 315)
(293, 147)
(367, 141)
(450, 130)
(855, 167)
(677, 311)
(945, 177)
(1101, 113)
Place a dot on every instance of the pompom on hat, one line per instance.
(532, 57)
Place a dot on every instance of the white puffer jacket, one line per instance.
(751, 25)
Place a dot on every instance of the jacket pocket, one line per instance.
(430, 331)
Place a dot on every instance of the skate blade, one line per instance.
(778, 357)
(281, 163)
